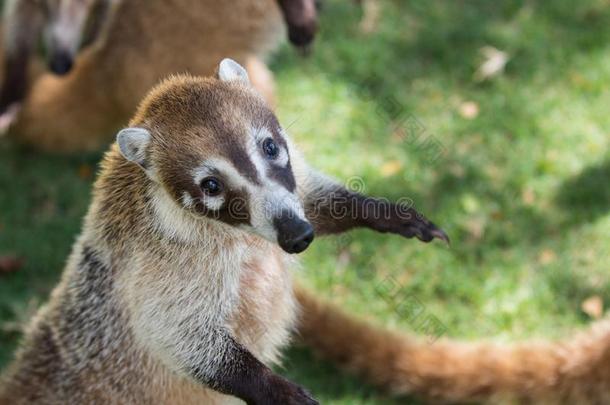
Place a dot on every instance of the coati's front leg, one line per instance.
(23, 22)
(240, 374)
(301, 17)
(332, 208)
(190, 337)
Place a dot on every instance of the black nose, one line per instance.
(293, 234)
(60, 63)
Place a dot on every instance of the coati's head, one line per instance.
(71, 25)
(220, 153)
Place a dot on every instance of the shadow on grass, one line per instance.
(330, 384)
(444, 39)
(586, 196)
(441, 42)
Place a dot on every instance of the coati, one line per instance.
(132, 44)
(178, 290)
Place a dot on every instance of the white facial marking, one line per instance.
(170, 219)
(258, 136)
(227, 173)
(265, 201)
(271, 198)
(224, 168)
(187, 200)
(67, 27)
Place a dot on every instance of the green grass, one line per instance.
(523, 189)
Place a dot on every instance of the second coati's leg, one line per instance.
(301, 18)
(332, 208)
(23, 22)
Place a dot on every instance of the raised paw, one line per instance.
(423, 230)
(407, 222)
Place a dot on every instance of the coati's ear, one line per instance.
(230, 70)
(133, 143)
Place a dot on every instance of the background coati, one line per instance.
(179, 287)
(132, 44)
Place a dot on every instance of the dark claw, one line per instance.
(304, 398)
(287, 393)
(440, 234)
(427, 231)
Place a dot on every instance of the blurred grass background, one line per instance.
(521, 182)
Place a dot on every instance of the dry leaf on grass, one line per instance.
(10, 264)
(469, 110)
(493, 65)
(547, 256)
(528, 196)
(390, 168)
(593, 306)
(85, 171)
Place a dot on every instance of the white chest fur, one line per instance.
(243, 286)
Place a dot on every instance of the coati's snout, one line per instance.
(71, 25)
(293, 234)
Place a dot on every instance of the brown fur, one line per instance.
(573, 371)
(144, 42)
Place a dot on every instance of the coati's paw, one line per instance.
(409, 223)
(8, 117)
(284, 392)
(422, 229)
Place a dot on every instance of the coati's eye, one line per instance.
(270, 148)
(211, 186)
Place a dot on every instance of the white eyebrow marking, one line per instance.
(224, 167)
(259, 134)
(213, 203)
(226, 170)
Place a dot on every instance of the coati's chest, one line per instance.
(244, 286)
(266, 308)
(258, 307)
